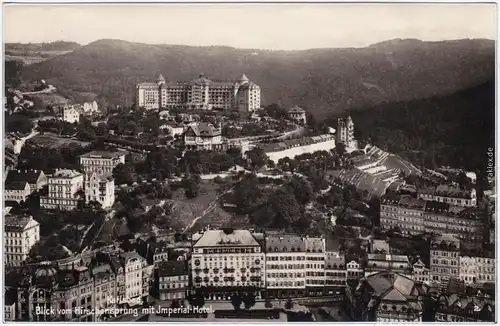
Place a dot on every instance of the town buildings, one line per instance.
(100, 189)
(450, 194)
(20, 234)
(387, 297)
(228, 261)
(463, 308)
(285, 266)
(64, 186)
(101, 162)
(16, 191)
(200, 93)
(71, 115)
(173, 280)
(416, 216)
(35, 178)
(203, 136)
(69, 293)
(294, 147)
(462, 222)
(90, 108)
(297, 114)
(444, 258)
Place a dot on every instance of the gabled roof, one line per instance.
(29, 176)
(394, 295)
(18, 224)
(204, 129)
(244, 78)
(16, 185)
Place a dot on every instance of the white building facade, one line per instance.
(20, 235)
(63, 188)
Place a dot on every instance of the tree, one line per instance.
(19, 123)
(268, 304)
(249, 300)
(257, 157)
(289, 304)
(301, 189)
(192, 186)
(236, 301)
(247, 194)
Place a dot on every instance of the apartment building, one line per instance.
(105, 289)
(285, 266)
(315, 266)
(100, 189)
(133, 265)
(354, 270)
(71, 114)
(20, 234)
(228, 261)
(335, 273)
(173, 280)
(63, 188)
(465, 223)
(476, 268)
(421, 272)
(203, 136)
(444, 258)
(200, 93)
(403, 212)
(416, 216)
(16, 191)
(101, 162)
(450, 194)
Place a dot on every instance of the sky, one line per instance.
(256, 26)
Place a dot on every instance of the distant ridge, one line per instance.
(323, 81)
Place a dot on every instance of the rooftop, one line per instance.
(17, 223)
(204, 129)
(66, 173)
(285, 243)
(296, 109)
(172, 268)
(216, 238)
(15, 185)
(103, 154)
(29, 176)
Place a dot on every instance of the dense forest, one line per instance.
(454, 130)
(319, 80)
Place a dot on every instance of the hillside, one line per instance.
(37, 52)
(321, 80)
(454, 130)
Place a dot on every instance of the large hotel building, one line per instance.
(200, 93)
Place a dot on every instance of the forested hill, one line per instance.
(454, 130)
(321, 80)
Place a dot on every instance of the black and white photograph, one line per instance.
(249, 162)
